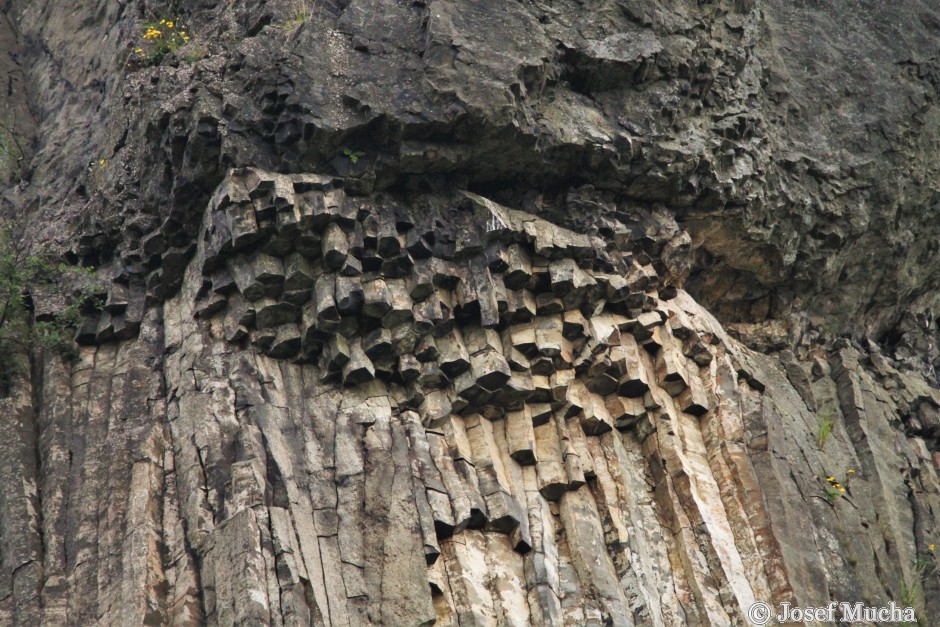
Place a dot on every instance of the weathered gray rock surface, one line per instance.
(477, 312)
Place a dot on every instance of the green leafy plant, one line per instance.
(353, 155)
(157, 39)
(25, 269)
(825, 423)
(831, 495)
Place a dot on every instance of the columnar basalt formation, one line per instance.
(475, 313)
(508, 357)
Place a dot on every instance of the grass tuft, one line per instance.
(825, 423)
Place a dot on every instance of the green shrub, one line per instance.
(25, 268)
(11, 150)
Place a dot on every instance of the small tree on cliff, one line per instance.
(24, 268)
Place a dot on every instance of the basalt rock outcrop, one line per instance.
(473, 313)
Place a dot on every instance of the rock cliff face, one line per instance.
(476, 312)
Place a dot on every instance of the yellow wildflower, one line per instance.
(185, 38)
(139, 50)
(163, 21)
(841, 489)
(169, 24)
(932, 547)
(830, 478)
(102, 162)
(851, 471)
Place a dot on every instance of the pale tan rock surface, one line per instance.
(604, 475)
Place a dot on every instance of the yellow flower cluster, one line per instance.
(154, 31)
(158, 40)
(835, 484)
